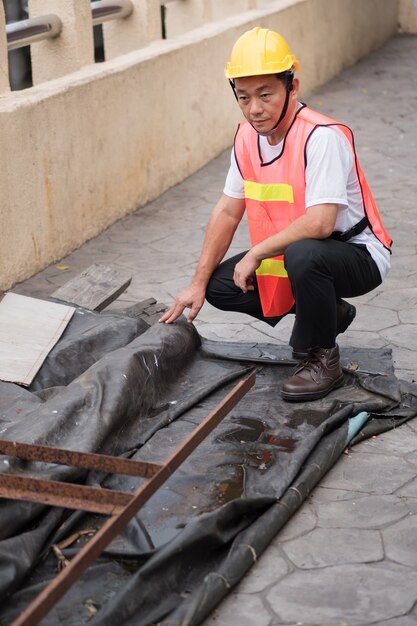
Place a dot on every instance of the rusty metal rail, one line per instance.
(120, 505)
(86, 460)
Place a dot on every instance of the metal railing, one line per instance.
(26, 32)
(106, 10)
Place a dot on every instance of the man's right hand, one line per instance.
(192, 298)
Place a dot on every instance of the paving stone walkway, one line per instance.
(349, 556)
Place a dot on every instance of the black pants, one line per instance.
(321, 271)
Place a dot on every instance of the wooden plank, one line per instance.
(95, 288)
(29, 329)
(148, 310)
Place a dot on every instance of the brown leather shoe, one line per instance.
(314, 377)
(346, 313)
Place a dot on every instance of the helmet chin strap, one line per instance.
(289, 88)
(268, 133)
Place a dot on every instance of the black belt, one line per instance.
(348, 234)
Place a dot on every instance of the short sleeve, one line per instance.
(233, 186)
(329, 162)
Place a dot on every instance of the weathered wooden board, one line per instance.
(29, 329)
(95, 288)
(148, 310)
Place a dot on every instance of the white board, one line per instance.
(29, 329)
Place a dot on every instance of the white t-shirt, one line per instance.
(331, 178)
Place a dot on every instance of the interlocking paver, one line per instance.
(334, 547)
(400, 541)
(362, 511)
(359, 470)
(243, 613)
(304, 520)
(409, 490)
(410, 620)
(274, 567)
(351, 594)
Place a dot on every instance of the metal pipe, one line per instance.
(106, 10)
(25, 32)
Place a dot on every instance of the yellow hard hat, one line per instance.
(260, 51)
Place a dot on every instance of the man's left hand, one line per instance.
(245, 271)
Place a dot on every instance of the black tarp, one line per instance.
(114, 385)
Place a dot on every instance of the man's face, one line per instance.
(261, 99)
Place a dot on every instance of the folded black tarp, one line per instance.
(114, 385)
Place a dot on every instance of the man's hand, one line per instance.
(245, 271)
(191, 297)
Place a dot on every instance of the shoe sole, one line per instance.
(306, 397)
(299, 356)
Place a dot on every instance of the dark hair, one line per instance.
(286, 78)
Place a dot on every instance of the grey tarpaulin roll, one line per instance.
(114, 385)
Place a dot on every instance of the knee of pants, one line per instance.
(215, 291)
(210, 297)
(210, 291)
(301, 257)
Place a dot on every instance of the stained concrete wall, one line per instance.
(407, 16)
(82, 150)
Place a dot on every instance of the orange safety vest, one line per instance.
(275, 197)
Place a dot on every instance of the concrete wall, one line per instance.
(84, 149)
(407, 16)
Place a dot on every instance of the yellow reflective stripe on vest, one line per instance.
(272, 267)
(273, 192)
